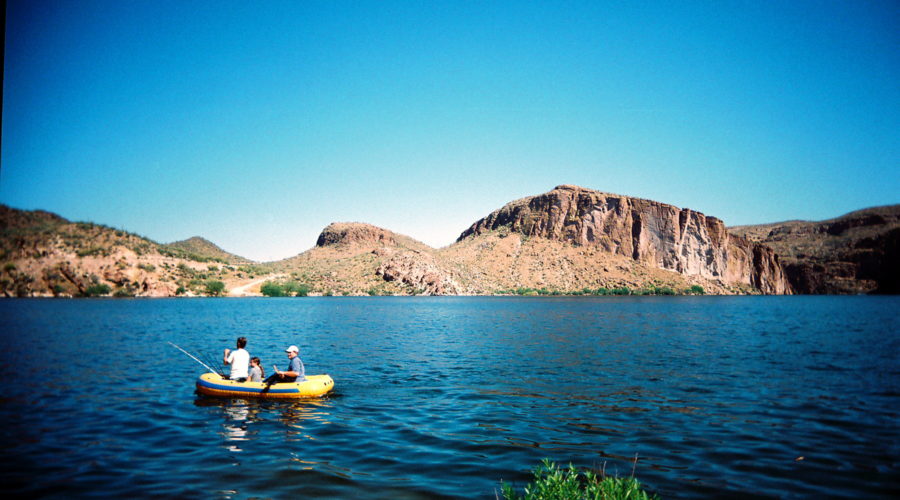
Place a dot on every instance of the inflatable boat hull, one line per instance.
(212, 384)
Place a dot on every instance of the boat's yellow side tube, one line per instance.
(214, 385)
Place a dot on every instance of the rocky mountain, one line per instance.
(650, 233)
(855, 253)
(566, 240)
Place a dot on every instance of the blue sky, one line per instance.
(256, 124)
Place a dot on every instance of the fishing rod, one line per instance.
(194, 358)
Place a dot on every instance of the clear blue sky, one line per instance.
(256, 124)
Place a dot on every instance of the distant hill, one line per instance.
(199, 248)
(855, 253)
(352, 258)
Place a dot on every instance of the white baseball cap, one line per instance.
(292, 348)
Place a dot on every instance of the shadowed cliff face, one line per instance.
(653, 233)
(856, 253)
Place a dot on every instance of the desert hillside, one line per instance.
(855, 253)
(43, 254)
(569, 240)
(352, 258)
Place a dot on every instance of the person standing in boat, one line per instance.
(239, 360)
(295, 371)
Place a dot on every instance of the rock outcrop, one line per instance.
(348, 233)
(649, 232)
(420, 272)
(856, 253)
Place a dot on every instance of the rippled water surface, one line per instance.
(444, 397)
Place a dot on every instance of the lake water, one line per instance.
(444, 397)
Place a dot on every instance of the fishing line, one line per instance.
(194, 358)
(212, 362)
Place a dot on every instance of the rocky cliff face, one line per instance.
(856, 253)
(649, 232)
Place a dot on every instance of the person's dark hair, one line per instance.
(242, 342)
(262, 371)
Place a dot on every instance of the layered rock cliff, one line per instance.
(649, 232)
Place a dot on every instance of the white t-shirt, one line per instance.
(240, 363)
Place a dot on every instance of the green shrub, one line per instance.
(552, 483)
(180, 290)
(85, 252)
(252, 269)
(270, 289)
(96, 290)
(696, 290)
(147, 267)
(124, 292)
(294, 289)
(214, 288)
(9, 267)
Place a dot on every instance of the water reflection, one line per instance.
(236, 424)
(240, 415)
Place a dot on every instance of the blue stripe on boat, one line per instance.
(233, 388)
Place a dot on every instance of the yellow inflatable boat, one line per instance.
(214, 385)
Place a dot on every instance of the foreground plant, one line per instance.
(553, 483)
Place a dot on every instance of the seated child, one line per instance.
(256, 370)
